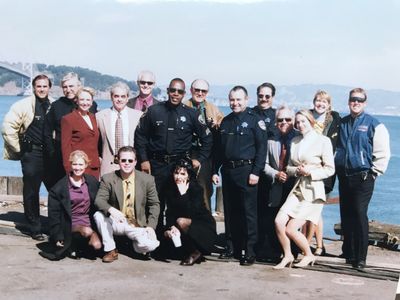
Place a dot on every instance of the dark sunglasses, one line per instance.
(358, 99)
(124, 160)
(200, 91)
(146, 82)
(174, 90)
(280, 120)
(261, 96)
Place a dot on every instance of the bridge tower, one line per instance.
(26, 83)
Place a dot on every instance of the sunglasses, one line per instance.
(280, 120)
(358, 99)
(174, 90)
(146, 82)
(124, 160)
(261, 96)
(200, 91)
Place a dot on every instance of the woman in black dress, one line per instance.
(187, 215)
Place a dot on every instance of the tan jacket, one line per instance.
(147, 205)
(108, 152)
(212, 111)
(15, 124)
(317, 156)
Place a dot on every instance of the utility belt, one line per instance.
(232, 164)
(169, 158)
(27, 145)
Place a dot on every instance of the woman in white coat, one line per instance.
(311, 161)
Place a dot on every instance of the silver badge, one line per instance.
(201, 119)
(261, 124)
(244, 124)
(183, 119)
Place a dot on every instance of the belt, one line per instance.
(232, 164)
(36, 147)
(168, 158)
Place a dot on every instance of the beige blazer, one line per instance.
(147, 205)
(315, 152)
(108, 152)
(15, 124)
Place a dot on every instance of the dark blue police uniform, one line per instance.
(241, 152)
(164, 136)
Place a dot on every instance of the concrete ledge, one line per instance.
(11, 185)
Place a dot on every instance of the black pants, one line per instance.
(162, 173)
(355, 193)
(33, 175)
(54, 166)
(240, 209)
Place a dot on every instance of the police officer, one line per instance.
(265, 98)
(241, 152)
(23, 140)
(164, 136)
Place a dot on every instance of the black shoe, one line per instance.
(247, 260)
(227, 254)
(360, 265)
(37, 236)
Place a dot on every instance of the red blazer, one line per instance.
(76, 135)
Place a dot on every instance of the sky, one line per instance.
(286, 42)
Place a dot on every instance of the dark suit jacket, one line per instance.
(147, 205)
(76, 135)
(277, 191)
(132, 102)
(60, 218)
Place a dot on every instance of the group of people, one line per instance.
(145, 169)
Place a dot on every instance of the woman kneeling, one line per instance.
(187, 216)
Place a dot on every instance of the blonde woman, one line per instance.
(327, 122)
(79, 132)
(311, 161)
(71, 208)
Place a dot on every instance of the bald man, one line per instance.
(146, 82)
(213, 117)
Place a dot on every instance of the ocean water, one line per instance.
(384, 206)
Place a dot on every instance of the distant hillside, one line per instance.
(96, 80)
(301, 96)
(89, 77)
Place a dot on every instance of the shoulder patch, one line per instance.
(262, 125)
(201, 119)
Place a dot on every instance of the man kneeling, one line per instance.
(128, 205)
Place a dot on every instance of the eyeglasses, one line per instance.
(358, 99)
(261, 96)
(280, 120)
(146, 82)
(174, 90)
(124, 160)
(200, 91)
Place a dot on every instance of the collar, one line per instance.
(147, 98)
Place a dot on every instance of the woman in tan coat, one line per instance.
(311, 161)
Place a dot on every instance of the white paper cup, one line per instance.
(176, 239)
